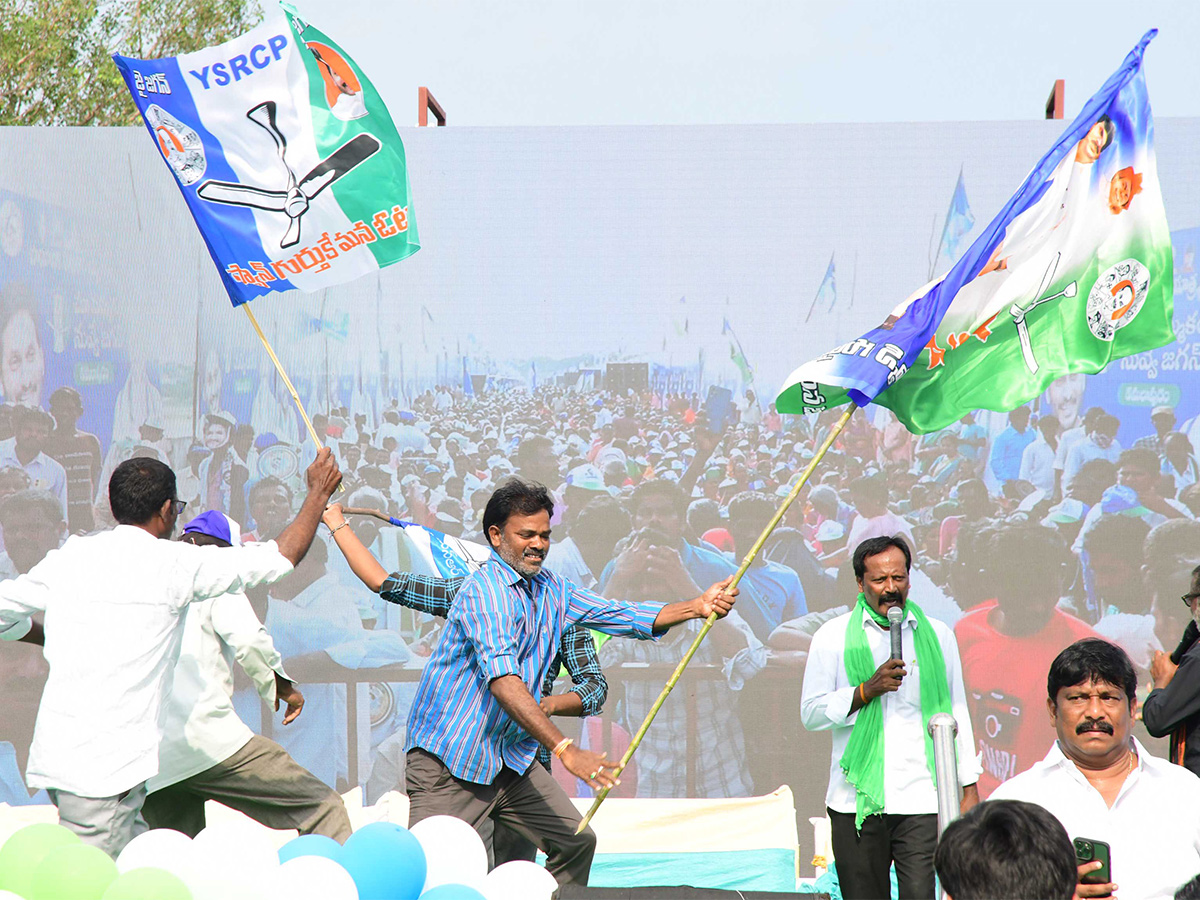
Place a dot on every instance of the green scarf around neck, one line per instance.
(862, 762)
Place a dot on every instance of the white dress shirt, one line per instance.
(1037, 464)
(908, 787)
(114, 603)
(1152, 829)
(199, 725)
(44, 473)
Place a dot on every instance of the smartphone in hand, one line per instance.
(1088, 850)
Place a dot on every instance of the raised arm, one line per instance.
(323, 478)
(361, 560)
(718, 598)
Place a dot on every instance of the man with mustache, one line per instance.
(1103, 785)
(475, 724)
(882, 799)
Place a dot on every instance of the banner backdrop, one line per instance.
(662, 274)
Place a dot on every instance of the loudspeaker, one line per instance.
(577, 892)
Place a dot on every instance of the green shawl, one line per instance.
(863, 759)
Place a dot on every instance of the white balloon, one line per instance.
(159, 848)
(234, 863)
(9, 895)
(454, 852)
(314, 878)
(519, 880)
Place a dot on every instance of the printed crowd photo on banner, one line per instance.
(623, 343)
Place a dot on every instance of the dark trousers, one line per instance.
(260, 780)
(530, 804)
(864, 858)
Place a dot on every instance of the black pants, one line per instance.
(530, 804)
(864, 858)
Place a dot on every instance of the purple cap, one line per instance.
(213, 523)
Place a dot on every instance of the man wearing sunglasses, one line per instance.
(114, 606)
(1173, 707)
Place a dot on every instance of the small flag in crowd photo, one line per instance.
(285, 153)
(1075, 271)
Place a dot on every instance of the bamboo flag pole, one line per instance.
(711, 620)
(284, 375)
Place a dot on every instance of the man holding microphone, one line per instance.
(882, 798)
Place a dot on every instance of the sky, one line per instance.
(642, 62)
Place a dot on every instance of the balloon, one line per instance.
(386, 862)
(315, 878)
(73, 870)
(160, 848)
(519, 880)
(311, 845)
(234, 862)
(9, 895)
(147, 884)
(25, 849)
(454, 852)
(453, 892)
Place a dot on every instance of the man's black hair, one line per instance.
(1006, 850)
(1022, 554)
(1109, 131)
(1092, 659)
(138, 488)
(516, 496)
(876, 545)
(1189, 891)
(659, 487)
(269, 482)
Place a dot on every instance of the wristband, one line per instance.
(561, 747)
(862, 693)
(333, 531)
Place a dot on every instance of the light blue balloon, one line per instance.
(452, 892)
(311, 845)
(385, 861)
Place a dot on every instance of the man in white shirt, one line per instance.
(207, 752)
(25, 448)
(1037, 460)
(882, 799)
(1103, 785)
(114, 604)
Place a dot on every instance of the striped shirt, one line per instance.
(576, 651)
(502, 624)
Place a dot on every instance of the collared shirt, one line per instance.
(1007, 450)
(1037, 465)
(114, 603)
(825, 700)
(503, 624)
(44, 473)
(576, 651)
(200, 727)
(1152, 828)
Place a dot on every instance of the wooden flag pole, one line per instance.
(284, 375)
(711, 620)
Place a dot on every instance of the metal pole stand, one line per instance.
(943, 729)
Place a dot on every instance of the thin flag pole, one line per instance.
(284, 375)
(711, 620)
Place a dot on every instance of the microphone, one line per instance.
(895, 617)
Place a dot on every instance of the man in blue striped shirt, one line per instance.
(475, 724)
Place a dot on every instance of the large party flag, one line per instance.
(959, 221)
(285, 154)
(1074, 271)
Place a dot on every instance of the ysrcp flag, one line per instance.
(1075, 271)
(285, 154)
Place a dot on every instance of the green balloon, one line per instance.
(76, 871)
(146, 884)
(25, 849)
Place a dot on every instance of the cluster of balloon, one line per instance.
(441, 858)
